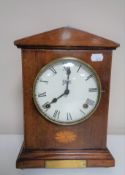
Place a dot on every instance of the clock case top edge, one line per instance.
(66, 38)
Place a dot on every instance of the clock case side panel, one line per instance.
(41, 133)
(31, 119)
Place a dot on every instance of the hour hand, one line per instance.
(54, 100)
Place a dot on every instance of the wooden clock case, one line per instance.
(45, 141)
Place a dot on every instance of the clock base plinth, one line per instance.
(36, 158)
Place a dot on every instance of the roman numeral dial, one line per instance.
(69, 116)
(56, 114)
(53, 69)
(42, 94)
(67, 91)
(93, 89)
(89, 77)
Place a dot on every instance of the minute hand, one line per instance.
(67, 82)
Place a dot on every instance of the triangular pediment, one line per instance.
(67, 38)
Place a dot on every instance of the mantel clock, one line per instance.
(66, 83)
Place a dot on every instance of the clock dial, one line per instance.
(67, 91)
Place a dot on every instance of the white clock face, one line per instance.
(66, 91)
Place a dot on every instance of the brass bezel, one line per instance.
(47, 66)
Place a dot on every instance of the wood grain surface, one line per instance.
(89, 137)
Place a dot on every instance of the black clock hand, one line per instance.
(54, 100)
(66, 92)
(67, 82)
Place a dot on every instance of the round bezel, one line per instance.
(61, 60)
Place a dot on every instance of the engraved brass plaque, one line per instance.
(65, 163)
